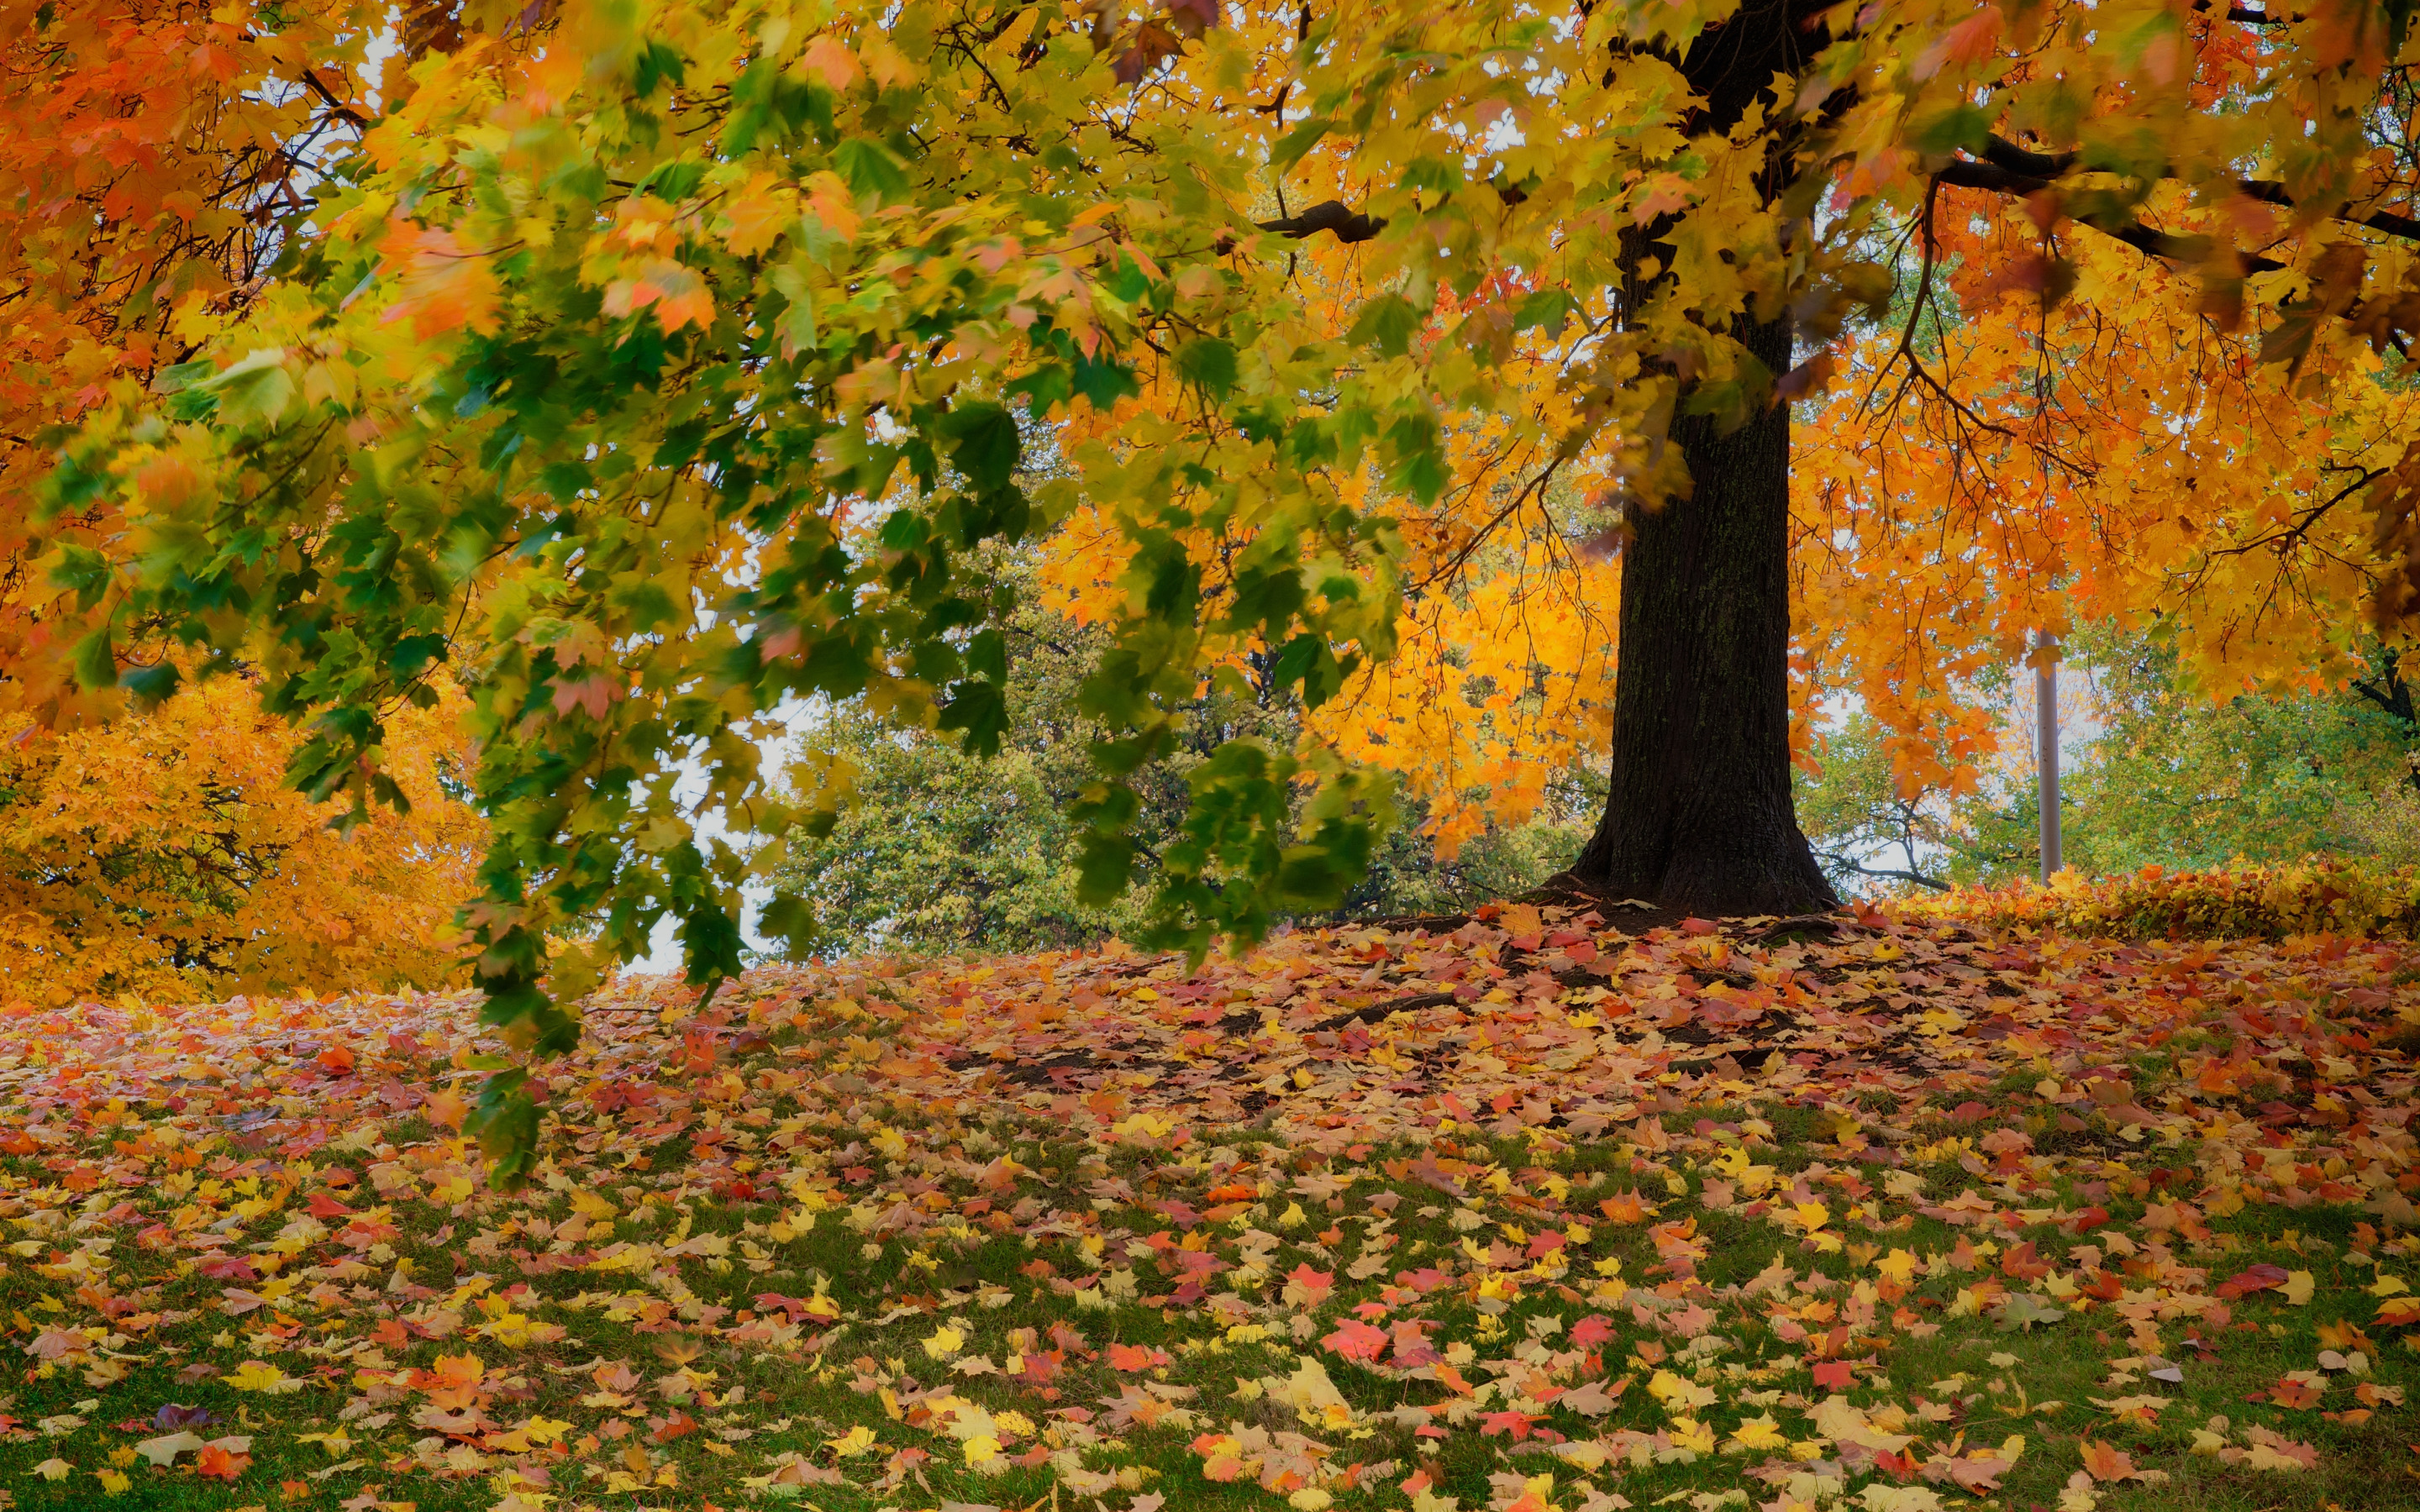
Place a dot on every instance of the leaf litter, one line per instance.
(1516, 1211)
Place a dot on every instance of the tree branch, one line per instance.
(1332, 216)
(2031, 172)
(337, 107)
(2386, 222)
(1850, 863)
(2003, 153)
(1993, 177)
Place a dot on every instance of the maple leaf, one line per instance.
(164, 1449)
(2106, 1463)
(1357, 1341)
(254, 1375)
(1307, 1287)
(444, 285)
(2256, 1278)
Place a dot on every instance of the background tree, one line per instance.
(165, 857)
(935, 850)
(2179, 780)
(2159, 773)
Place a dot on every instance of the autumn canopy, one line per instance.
(645, 370)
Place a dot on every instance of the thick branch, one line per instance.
(1348, 225)
(2000, 181)
(2001, 152)
(2384, 221)
(2039, 168)
(335, 107)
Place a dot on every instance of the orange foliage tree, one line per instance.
(154, 160)
(164, 856)
(153, 156)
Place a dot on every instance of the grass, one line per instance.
(845, 1243)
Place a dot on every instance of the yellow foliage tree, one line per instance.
(164, 856)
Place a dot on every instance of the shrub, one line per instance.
(2238, 901)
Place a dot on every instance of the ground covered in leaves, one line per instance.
(1520, 1212)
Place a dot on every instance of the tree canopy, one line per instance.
(164, 857)
(653, 366)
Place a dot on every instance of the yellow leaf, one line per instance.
(254, 1375)
(1760, 1433)
(854, 1442)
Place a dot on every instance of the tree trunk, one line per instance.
(1699, 816)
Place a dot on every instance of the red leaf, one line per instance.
(1357, 1341)
(2260, 1277)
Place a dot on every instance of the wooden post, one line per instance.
(2046, 749)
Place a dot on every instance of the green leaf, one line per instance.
(1102, 869)
(1420, 468)
(980, 710)
(1290, 147)
(83, 571)
(1388, 323)
(411, 653)
(675, 180)
(1051, 383)
(1947, 130)
(96, 660)
(152, 686)
(871, 169)
(182, 376)
(1549, 307)
(986, 446)
(1208, 364)
(1104, 380)
(710, 943)
(258, 388)
(504, 1122)
(658, 64)
(791, 920)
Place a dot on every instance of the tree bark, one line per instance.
(1699, 816)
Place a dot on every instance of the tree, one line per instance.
(935, 850)
(1697, 813)
(163, 856)
(1863, 826)
(2159, 775)
(152, 156)
(679, 364)
(2177, 780)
